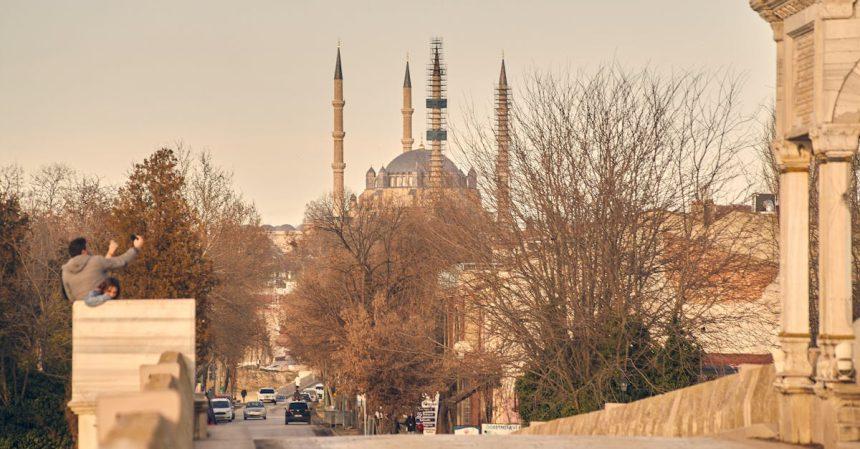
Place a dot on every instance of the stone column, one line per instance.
(835, 145)
(793, 368)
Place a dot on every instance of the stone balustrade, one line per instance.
(133, 374)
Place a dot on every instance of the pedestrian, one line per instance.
(107, 290)
(210, 414)
(419, 427)
(410, 423)
(85, 272)
(396, 425)
(244, 393)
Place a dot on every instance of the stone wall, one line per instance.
(252, 379)
(113, 349)
(733, 402)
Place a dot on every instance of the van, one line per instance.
(267, 395)
(222, 408)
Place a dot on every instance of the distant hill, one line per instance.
(283, 227)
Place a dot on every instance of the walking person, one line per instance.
(84, 272)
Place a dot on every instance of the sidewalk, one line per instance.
(518, 442)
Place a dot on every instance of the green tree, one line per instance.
(14, 225)
(32, 390)
(172, 263)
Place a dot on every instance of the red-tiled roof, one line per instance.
(737, 359)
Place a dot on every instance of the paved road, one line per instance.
(514, 442)
(241, 434)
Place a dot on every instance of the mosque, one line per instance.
(419, 174)
(415, 173)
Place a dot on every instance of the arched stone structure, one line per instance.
(847, 107)
(817, 115)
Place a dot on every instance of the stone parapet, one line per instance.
(110, 345)
(733, 402)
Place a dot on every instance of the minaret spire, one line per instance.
(407, 111)
(503, 143)
(436, 105)
(338, 134)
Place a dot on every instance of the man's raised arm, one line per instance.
(126, 257)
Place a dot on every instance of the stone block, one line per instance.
(141, 430)
(173, 366)
(165, 403)
(201, 417)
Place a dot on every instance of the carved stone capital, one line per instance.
(778, 31)
(835, 139)
(791, 156)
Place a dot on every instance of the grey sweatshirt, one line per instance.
(83, 273)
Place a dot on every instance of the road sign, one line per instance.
(428, 413)
(499, 429)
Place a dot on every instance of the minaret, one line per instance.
(337, 165)
(502, 142)
(407, 111)
(436, 105)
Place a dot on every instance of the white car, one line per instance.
(222, 409)
(267, 395)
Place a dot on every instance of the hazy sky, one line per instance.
(101, 84)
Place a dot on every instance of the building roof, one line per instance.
(412, 161)
(737, 359)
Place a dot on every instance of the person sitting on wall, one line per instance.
(84, 272)
(107, 290)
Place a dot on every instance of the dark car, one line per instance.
(297, 412)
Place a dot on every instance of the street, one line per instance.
(241, 434)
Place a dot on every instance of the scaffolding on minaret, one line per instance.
(502, 129)
(437, 104)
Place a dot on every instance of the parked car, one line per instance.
(255, 409)
(297, 412)
(222, 408)
(267, 395)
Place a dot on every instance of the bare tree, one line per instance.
(370, 308)
(607, 275)
(243, 258)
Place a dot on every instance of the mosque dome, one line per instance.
(419, 160)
